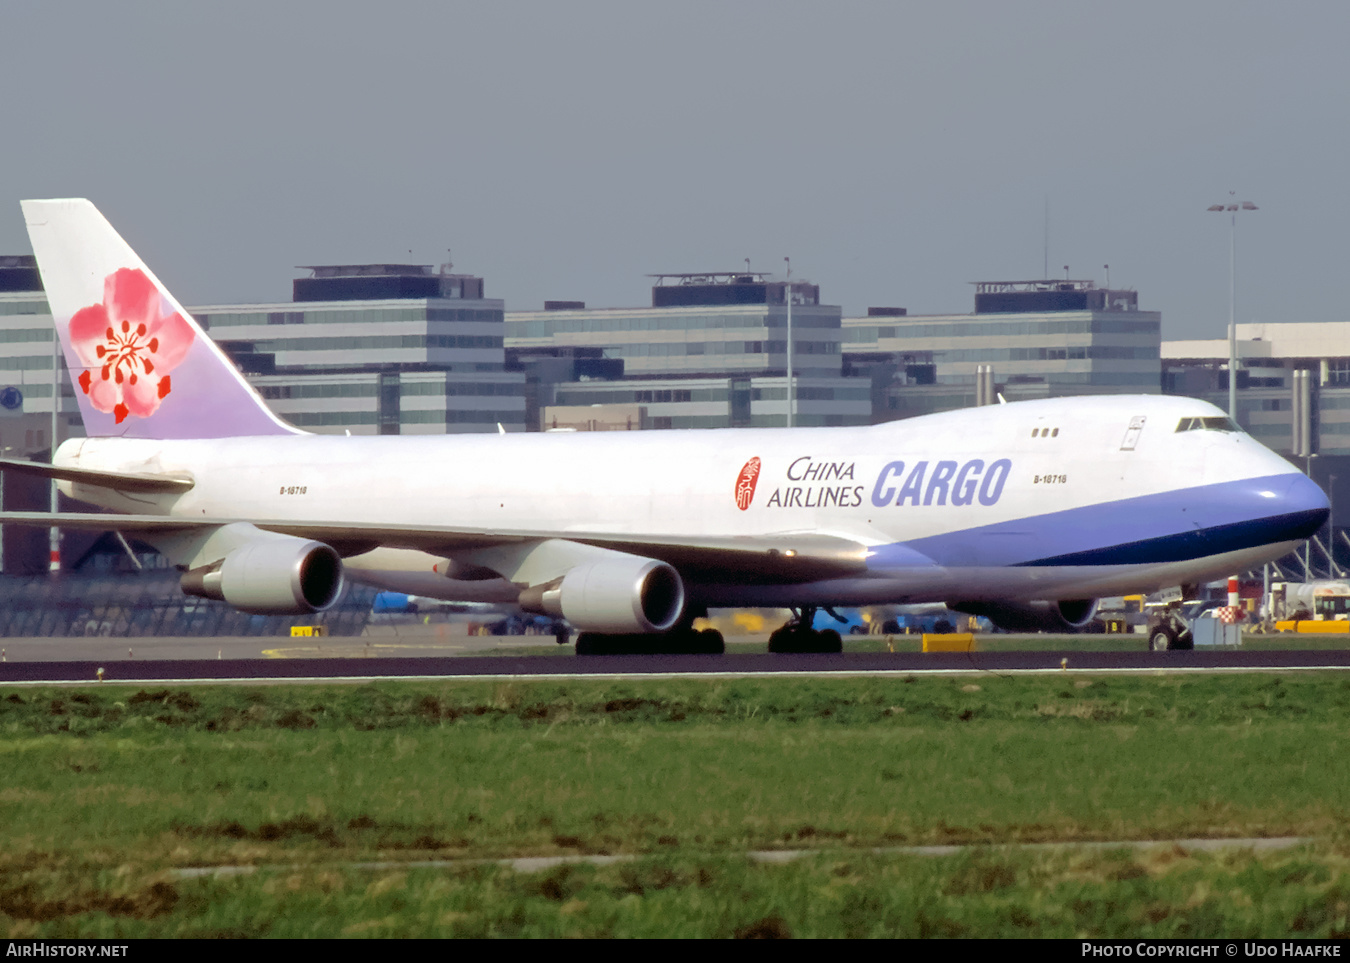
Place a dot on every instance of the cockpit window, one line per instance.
(1217, 423)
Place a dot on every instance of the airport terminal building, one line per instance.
(399, 349)
(1040, 339)
(376, 349)
(27, 342)
(710, 352)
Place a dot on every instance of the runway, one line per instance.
(160, 671)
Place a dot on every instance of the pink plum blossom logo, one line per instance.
(127, 346)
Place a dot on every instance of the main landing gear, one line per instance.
(676, 642)
(684, 639)
(798, 635)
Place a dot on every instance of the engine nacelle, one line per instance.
(1033, 616)
(622, 594)
(276, 575)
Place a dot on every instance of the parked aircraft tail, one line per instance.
(142, 367)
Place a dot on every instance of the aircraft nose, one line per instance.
(1296, 506)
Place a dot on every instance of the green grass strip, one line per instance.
(107, 790)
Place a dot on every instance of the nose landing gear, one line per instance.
(798, 635)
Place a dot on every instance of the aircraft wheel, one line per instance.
(707, 642)
(593, 643)
(710, 642)
(794, 639)
(788, 639)
(1161, 640)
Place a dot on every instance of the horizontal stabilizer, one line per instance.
(117, 481)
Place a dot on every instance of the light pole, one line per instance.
(3, 453)
(788, 292)
(1232, 207)
(54, 544)
(1331, 522)
(1307, 546)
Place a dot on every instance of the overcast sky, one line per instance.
(895, 151)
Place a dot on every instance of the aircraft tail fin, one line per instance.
(142, 366)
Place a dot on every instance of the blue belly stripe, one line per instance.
(1173, 526)
(1185, 546)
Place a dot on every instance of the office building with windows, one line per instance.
(377, 349)
(710, 352)
(26, 353)
(1043, 339)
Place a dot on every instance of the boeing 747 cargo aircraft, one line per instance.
(1024, 512)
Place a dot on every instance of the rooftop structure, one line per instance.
(1022, 297)
(374, 282)
(710, 288)
(19, 272)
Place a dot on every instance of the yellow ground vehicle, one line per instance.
(1317, 601)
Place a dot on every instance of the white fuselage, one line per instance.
(957, 505)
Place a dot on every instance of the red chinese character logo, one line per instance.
(745, 484)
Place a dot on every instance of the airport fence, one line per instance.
(150, 603)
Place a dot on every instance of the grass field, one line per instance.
(107, 793)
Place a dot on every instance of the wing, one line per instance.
(786, 557)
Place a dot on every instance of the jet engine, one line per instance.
(1033, 616)
(619, 594)
(276, 575)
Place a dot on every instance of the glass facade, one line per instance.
(699, 366)
(26, 335)
(945, 327)
(376, 367)
(729, 403)
(717, 340)
(1033, 355)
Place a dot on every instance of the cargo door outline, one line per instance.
(1132, 433)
